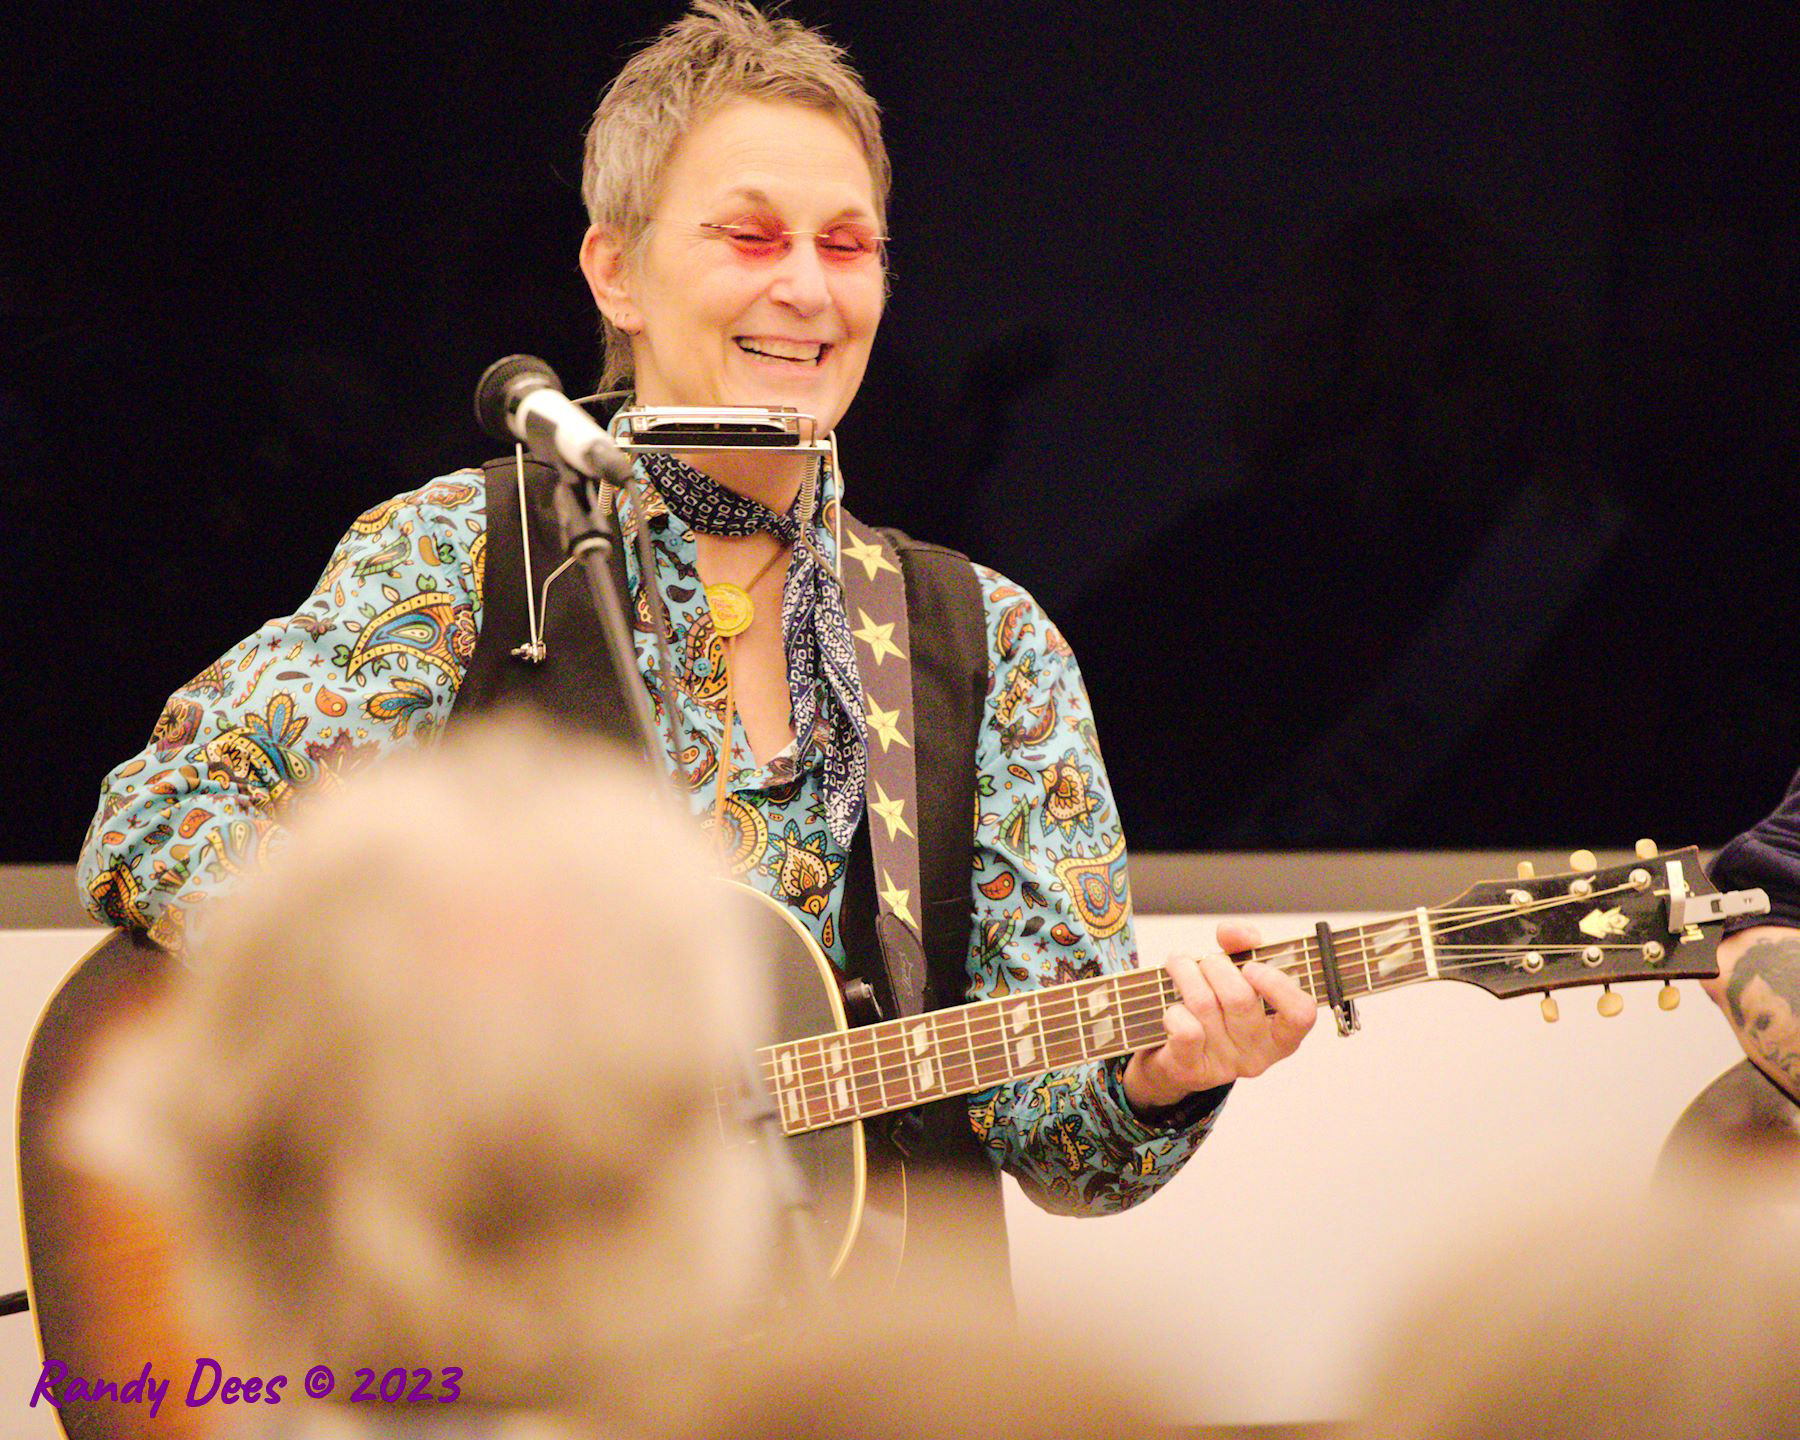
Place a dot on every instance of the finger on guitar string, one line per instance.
(1290, 1011)
(1241, 1018)
(1189, 1023)
(1163, 1075)
(1270, 1018)
(1236, 936)
(1195, 991)
(1216, 1034)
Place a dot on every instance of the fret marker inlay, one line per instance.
(1394, 947)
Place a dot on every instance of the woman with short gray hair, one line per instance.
(915, 773)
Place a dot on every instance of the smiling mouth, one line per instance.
(792, 352)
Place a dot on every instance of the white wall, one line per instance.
(1253, 1281)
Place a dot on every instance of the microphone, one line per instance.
(521, 398)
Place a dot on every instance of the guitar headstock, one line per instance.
(1653, 918)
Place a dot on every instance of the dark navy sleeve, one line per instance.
(1766, 855)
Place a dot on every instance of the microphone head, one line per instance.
(500, 388)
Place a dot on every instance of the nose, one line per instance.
(800, 282)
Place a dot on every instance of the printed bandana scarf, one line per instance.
(815, 631)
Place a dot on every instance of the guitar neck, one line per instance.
(827, 1080)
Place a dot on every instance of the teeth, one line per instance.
(784, 349)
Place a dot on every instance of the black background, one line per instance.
(1230, 331)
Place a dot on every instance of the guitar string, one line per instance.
(1128, 1009)
(1549, 903)
(1362, 942)
(881, 1056)
(1359, 943)
(813, 1092)
(1472, 957)
(1359, 946)
(1567, 897)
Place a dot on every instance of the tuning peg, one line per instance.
(1582, 860)
(1610, 1004)
(1646, 850)
(1551, 1013)
(1526, 870)
(1668, 997)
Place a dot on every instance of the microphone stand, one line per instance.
(590, 535)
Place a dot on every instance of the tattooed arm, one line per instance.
(1759, 990)
(1759, 967)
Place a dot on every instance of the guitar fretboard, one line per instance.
(827, 1080)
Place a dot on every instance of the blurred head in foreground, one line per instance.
(1621, 1322)
(441, 1086)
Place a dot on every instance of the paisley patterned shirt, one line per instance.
(373, 658)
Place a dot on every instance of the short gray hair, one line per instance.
(443, 1082)
(721, 50)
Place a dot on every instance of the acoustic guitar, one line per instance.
(98, 1274)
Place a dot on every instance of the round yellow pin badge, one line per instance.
(732, 610)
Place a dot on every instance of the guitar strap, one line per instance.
(875, 600)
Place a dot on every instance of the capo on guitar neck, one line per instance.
(1686, 908)
(1343, 1010)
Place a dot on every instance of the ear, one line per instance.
(603, 263)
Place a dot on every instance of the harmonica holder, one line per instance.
(684, 430)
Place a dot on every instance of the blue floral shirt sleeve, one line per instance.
(371, 661)
(1051, 905)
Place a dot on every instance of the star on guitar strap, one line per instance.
(875, 601)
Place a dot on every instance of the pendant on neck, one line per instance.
(732, 609)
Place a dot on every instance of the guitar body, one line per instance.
(98, 1267)
(1740, 1129)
